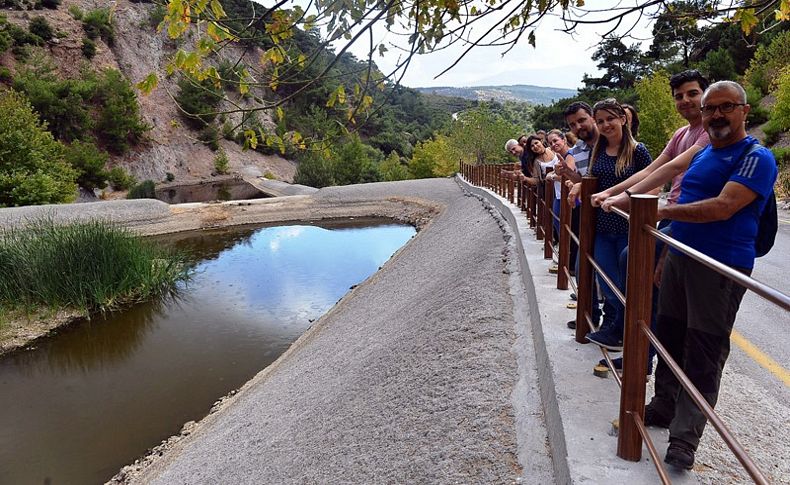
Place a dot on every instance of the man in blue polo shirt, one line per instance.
(722, 196)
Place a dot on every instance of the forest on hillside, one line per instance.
(295, 94)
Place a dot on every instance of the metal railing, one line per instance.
(637, 299)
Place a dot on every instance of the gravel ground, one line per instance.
(410, 378)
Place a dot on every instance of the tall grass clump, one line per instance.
(84, 265)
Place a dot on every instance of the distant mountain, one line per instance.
(518, 92)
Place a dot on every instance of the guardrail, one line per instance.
(537, 206)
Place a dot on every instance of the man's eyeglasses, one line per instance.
(710, 109)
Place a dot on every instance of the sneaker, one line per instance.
(680, 454)
(573, 295)
(572, 324)
(607, 339)
(618, 365)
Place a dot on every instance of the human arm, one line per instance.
(567, 168)
(661, 175)
(600, 197)
(732, 198)
(573, 193)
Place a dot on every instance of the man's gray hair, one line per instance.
(510, 144)
(727, 85)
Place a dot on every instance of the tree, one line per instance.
(392, 169)
(480, 136)
(292, 67)
(32, 168)
(719, 65)
(429, 155)
(314, 170)
(622, 65)
(353, 163)
(675, 32)
(657, 113)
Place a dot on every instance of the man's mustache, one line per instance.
(721, 123)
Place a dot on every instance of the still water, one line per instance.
(209, 191)
(98, 395)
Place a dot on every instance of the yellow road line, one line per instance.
(768, 363)
(784, 221)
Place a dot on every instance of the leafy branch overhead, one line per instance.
(295, 38)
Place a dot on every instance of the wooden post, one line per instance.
(584, 275)
(539, 214)
(511, 187)
(639, 296)
(548, 219)
(565, 238)
(531, 206)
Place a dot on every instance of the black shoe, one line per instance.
(572, 324)
(680, 454)
(610, 339)
(573, 295)
(653, 418)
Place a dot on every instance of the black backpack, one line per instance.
(768, 223)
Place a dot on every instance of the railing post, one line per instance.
(539, 213)
(531, 206)
(548, 220)
(565, 238)
(511, 187)
(638, 295)
(585, 273)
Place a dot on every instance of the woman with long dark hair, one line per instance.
(615, 157)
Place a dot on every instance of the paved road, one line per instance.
(755, 400)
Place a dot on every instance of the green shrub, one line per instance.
(157, 15)
(88, 48)
(270, 176)
(169, 177)
(782, 186)
(221, 162)
(198, 101)
(228, 132)
(757, 115)
(76, 12)
(98, 266)
(32, 168)
(40, 27)
(98, 23)
(314, 170)
(21, 52)
(118, 123)
(89, 162)
(5, 41)
(120, 179)
(209, 135)
(768, 62)
(5, 75)
(144, 190)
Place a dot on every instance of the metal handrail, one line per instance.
(769, 293)
(765, 291)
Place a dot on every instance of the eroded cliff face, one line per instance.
(138, 50)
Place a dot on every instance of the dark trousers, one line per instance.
(696, 311)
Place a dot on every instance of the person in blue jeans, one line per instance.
(615, 157)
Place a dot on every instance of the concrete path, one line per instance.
(415, 376)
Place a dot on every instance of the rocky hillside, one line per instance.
(170, 146)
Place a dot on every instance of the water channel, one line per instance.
(99, 394)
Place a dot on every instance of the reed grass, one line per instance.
(85, 265)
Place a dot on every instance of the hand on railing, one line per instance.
(573, 194)
(597, 199)
(620, 201)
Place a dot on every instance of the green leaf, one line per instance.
(250, 139)
(148, 84)
(747, 18)
(216, 9)
(531, 38)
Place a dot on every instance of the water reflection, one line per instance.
(98, 395)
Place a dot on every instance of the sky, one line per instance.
(558, 60)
